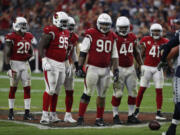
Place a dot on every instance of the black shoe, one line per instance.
(28, 116)
(136, 113)
(133, 120)
(116, 120)
(11, 114)
(171, 130)
(99, 122)
(80, 121)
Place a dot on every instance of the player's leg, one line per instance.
(131, 84)
(53, 100)
(50, 79)
(176, 116)
(146, 75)
(118, 88)
(26, 82)
(90, 83)
(102, 87)
(69, 89)
(158, 79)
(13, 87)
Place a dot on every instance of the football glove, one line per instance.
(116, 75)
(68, 68)
(11, 73)
(162, 64)
(45, 64)
(80, 72)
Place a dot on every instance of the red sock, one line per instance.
(53, 103)
(82, 109)
(159, 98)
(12, 92)
(100, 112)
(115, 101)
(69, 100)
(46, 101)
(140, 96)
(131, 100)
(27, 93)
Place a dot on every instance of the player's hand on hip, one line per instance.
(116, 75)
(161, 65)
(45, 64)
(80, 73)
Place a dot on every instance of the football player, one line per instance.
(151, 54)
(69, 80)
(18, 50)
(100, 45)
(53, 51)
(127, 50)
(173, 47)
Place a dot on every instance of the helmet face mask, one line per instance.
(156, 31)
(104, 23)
(60, 20)
(20, 24)
(71, 24)
(122, 26)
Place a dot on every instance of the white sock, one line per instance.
(115, 110)
(131, 109)
(11, 103)
(45, 113)
(174, 121)
(52, 113)
(27, 103)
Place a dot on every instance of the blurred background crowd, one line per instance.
(142, 13)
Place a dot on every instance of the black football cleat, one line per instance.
(80, 121)
(11, 115)
(116, 120)
(99, 122)
(133, 120)
(28, 116)
(171, 130)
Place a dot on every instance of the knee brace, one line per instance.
(85, 98)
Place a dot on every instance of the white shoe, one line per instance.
(163, 133)
(68, 118)
(44, 119)
(158, 117)
(54, 118)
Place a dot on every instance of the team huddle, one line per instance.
(102, 51)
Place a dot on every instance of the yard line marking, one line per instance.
(84, 127)
(76, 80)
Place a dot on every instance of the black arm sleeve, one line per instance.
(167, 48)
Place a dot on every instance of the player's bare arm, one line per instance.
(137, 55)
(8, 51)
(44, 43)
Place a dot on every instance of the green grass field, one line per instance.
(148, 105)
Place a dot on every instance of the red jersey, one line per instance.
(58, 45)
(72, 43)
(152, 53)
(21, 45)
(125, 47)
(101, 47)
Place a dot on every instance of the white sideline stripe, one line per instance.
(84, 127)
(76, 80)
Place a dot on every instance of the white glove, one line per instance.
(68, 69)
(11, 73)
(45, 64)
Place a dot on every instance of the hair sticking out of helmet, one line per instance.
(122, 25)
(20, 24)
(104, 23)
(71, 24)
(156, 31)
(60, 20)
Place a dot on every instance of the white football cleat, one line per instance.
(68, 118)
(53, 117)
(163, 133)
(160, 117)
(44, 119)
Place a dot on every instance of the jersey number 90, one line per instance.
(104, 45)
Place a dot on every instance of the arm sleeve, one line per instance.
(85, 46)
(168, 46)
(114, 51)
